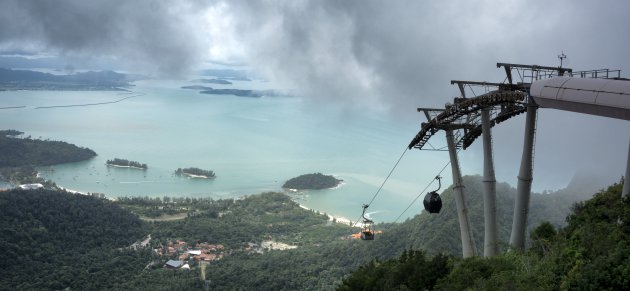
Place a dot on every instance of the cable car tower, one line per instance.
(467, 118)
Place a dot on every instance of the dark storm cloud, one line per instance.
(156, 36)
(397, 53)
(384, 55)
(400, 55)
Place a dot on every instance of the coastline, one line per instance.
(119, 166)
(332, 218)
(197, 176)
(84, 193)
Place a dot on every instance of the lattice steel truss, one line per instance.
(504, 100)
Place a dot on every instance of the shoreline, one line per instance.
(286, 191)
(119, 166)
(332, 218)
(197, 176)
(84, 193)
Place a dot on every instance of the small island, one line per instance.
(197, 87)
(195, 173)
(213, 81)
(122, 163)
(314, 181)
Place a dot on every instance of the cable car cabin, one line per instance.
(367, 234)
(432, 202)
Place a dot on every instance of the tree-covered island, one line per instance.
(314, 181)
(195, 173)
(16, 151)
(126, 163)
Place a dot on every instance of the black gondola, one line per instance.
(432, 201)
(367, 231)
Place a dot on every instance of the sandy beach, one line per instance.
(336, 219)
(118, 166)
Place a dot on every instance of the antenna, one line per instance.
(562, 56)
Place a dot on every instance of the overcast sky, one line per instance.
(379, 55)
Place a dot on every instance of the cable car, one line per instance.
(432, 201)
(367, 231)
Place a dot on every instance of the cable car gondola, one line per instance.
(367, 231)
(432, 201)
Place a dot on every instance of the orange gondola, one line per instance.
(367, 231)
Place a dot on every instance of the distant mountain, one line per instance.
(440, 232)
(30, 62)
(32, 80)
(590, 253)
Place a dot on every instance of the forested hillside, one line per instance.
(439, 233)
(53, 240)
(591, 253)
(322, 266)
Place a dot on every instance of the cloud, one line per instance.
(153, 36)
(390, 56)
(399, 55)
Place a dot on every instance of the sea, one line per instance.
(252, 144)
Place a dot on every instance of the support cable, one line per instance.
(383, 184)
(422, 192)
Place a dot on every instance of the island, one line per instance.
(122, 163)
(314, 181)
(213, 81)
(20, 155)
(195, 173)
(33, 80)
(197, 87)
(235, 92)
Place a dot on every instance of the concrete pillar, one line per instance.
(626, 179)
(490, 247)
(525, 177)
(468, 244)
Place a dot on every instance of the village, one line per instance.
(181, 254)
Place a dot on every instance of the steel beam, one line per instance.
(490, 247)
(468, 244)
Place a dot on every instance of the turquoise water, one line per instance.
(253, 145)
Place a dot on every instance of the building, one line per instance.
(173, 264)
(31, 186)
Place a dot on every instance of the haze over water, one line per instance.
(253, 145)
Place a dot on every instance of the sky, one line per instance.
(390, 56)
